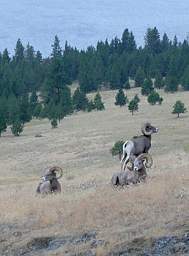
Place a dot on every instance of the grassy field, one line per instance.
(81, 146)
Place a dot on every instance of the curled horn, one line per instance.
(144, 131)
(131, 161)
(148, 159)
(57, 169)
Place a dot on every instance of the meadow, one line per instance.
(88, 203)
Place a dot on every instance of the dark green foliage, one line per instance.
(120, 98)
(127, 85)
(139, 78)
(159, 82)
(152, 40)
(90, 106)
(133, 106)
(54, 123)
(98, 104)
(109, 64)
(25, 114)
(117, 148)
(37, 111)
(179, 108)
(171, 84)
(147, 87)
(80, 101)
(154, 98)
(3, 116)
(185, 79)
(136, 98)
(17, 127)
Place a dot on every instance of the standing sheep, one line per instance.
(138, 144)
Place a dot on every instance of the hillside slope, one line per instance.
(89, 215)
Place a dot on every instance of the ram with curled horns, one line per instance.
(135, 173)
(50, 183)
(138, 144)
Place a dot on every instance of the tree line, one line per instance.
(33, 86)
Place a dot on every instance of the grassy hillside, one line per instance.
(88, 203)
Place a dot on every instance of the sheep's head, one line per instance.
(143, 160)
(52, 172)
(148, 129)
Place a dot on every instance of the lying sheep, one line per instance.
(134, 174)
(50, 183)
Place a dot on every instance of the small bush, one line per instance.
(117, 149)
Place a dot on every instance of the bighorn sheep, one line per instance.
(134, 174)
(50, 183)
(138, 144)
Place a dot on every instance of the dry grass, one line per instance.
(81, 146)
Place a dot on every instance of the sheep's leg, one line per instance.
(125, 162)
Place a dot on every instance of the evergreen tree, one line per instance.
(127, 85)
(80, 101)
(185, 79)
(17, 127)
(54, 123)
(24, 109)
(139, 78)
(179, 108)
(147, 87)
(3, 116)
(171, 84)
(99, 105)
(152, 40)
(136, 98)
(128, 41)
(154, 98)
(90, 106)
(133, 106)
(37, 110)
(120, 98)
(158, 83)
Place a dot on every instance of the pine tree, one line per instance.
(179, 108)
(171, 84)
(3, 116)
(80, 101)
(147, 87)
(185, 79)
(152, 40)
(127, 85)
(90, 106)
(17, 127)
(154, 98)
(99, 105)
(24, 109)
(139, 78)
(54, 123)
(120, 98)
(159, 82)
(128, 41)
(136, 98)
(133, 106)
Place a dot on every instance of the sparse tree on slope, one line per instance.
(99, 105)
(133, 106)
(179, 108)
(120, 98)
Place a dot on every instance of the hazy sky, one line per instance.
(84, 22)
